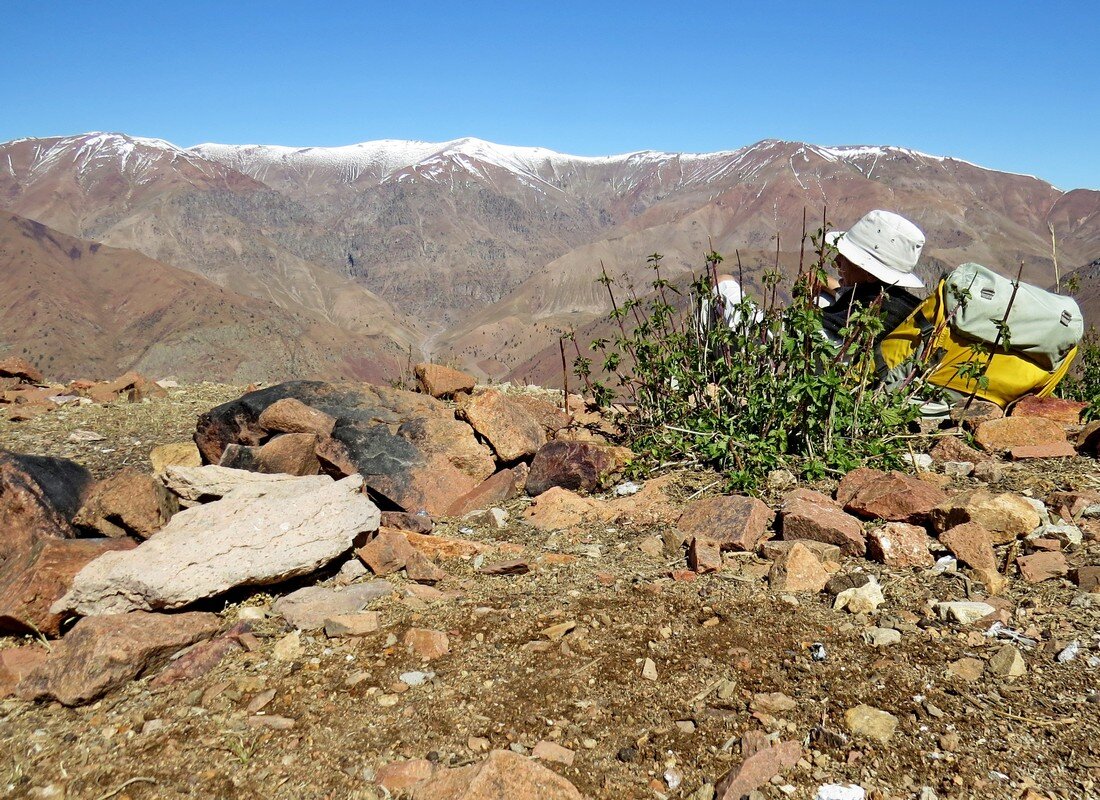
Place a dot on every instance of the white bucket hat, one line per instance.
(884, 244)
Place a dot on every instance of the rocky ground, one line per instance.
(599, 652)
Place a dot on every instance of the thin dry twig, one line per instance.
(122, 786)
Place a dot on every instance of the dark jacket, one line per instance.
(897, 305)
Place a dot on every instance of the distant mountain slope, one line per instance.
(475, 252)
(80, 309)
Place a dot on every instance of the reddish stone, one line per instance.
(757, 770)
(855, 480)
(580, 466)
(735, 522)
(514, 566)
(16, 663)
(511, 431)
(1053, 450)
(102, 653)
(504, 485)
(38, 498)
(1000, 435)
(33, 580)
(1064, 412)
(704, 555)
(1070, 505)
(1040, 567)
(16, 367)
(403, 521)
(420, 569)
(803, 519)
(439, 548)
(386, 553)
(896, 497)
(798, 570)
(426, 644)
(809, 496)
(972, 544)
(1087, 578)
(1050, 545)
(202, 657)
(290, 454)
(291, 415)
(952, 448)
(128, 503)
(900, 545)
(334, 458)
(559, 508)
(502, 775)
(440, 381)
(453, 439)
(398, 776)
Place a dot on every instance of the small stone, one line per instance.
(805, 519)
(1000, 435)
(861, 600)
(1042, 566)
(1067, 535)
(516, 566)
(550, 751)
(290, 415)
(870, 722)
(652, 546)
(900, 545)
(967, 669)
(361, 624)
(556, 632)
(179, 454)
(950, 742)
(798, 570)
(440, 381)
(772, 703)
(882, 637)
(1065, 412)
(649, 670)
(1050, 450)
(704, 555)
(972, 544)
(272, 722)
(774, 548)
(892, 496)
(735, 522)
(950, 449)
(1006, 516)
(415, 678)
(1007, 663)
(289, 648)
(957, 469)
(477, 744)
(964, 612)
(427, 644)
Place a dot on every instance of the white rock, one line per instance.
(1040, 508)
(921, 462)
(1069, 535)
(840, 791)
(256, 535)
(964, 611)
(957, 468)
(416, 678)
(862, 599)
(649, 670)
(309, 607)
(882, 637)
(628, 488)
(211, 482)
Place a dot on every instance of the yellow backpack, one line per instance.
(965, 312)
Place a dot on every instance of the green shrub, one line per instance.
(746, 400)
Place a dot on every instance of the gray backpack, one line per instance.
(1042, 326)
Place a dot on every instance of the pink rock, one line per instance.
(803, 519)
(1052, 450)
(798, 570)
(1064, 412)
(735, 522)
(16, 663)
(1000, 435)
(386, 553)
(896, 497)
(900, 545)
(972, 544)
(704, 555)
(440, 381)
(290, 415)
(502, 775)
(426, 644)
(494, 490)
(1042, 566)
(758, 769)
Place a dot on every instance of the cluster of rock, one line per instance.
(342, 481)
(25, 393)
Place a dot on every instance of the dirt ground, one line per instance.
(716, 641)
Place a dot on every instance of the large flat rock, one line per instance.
(102, 653)
(258, 534)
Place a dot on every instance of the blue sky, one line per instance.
(1009, 85)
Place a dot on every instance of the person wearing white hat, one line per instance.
(877, 256)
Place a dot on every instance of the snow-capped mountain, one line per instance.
(480, 249)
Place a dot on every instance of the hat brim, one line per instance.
(868, 263)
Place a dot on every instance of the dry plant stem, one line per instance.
(1000, 332)
(119, 789)
(1054, 257)
(564, 377)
